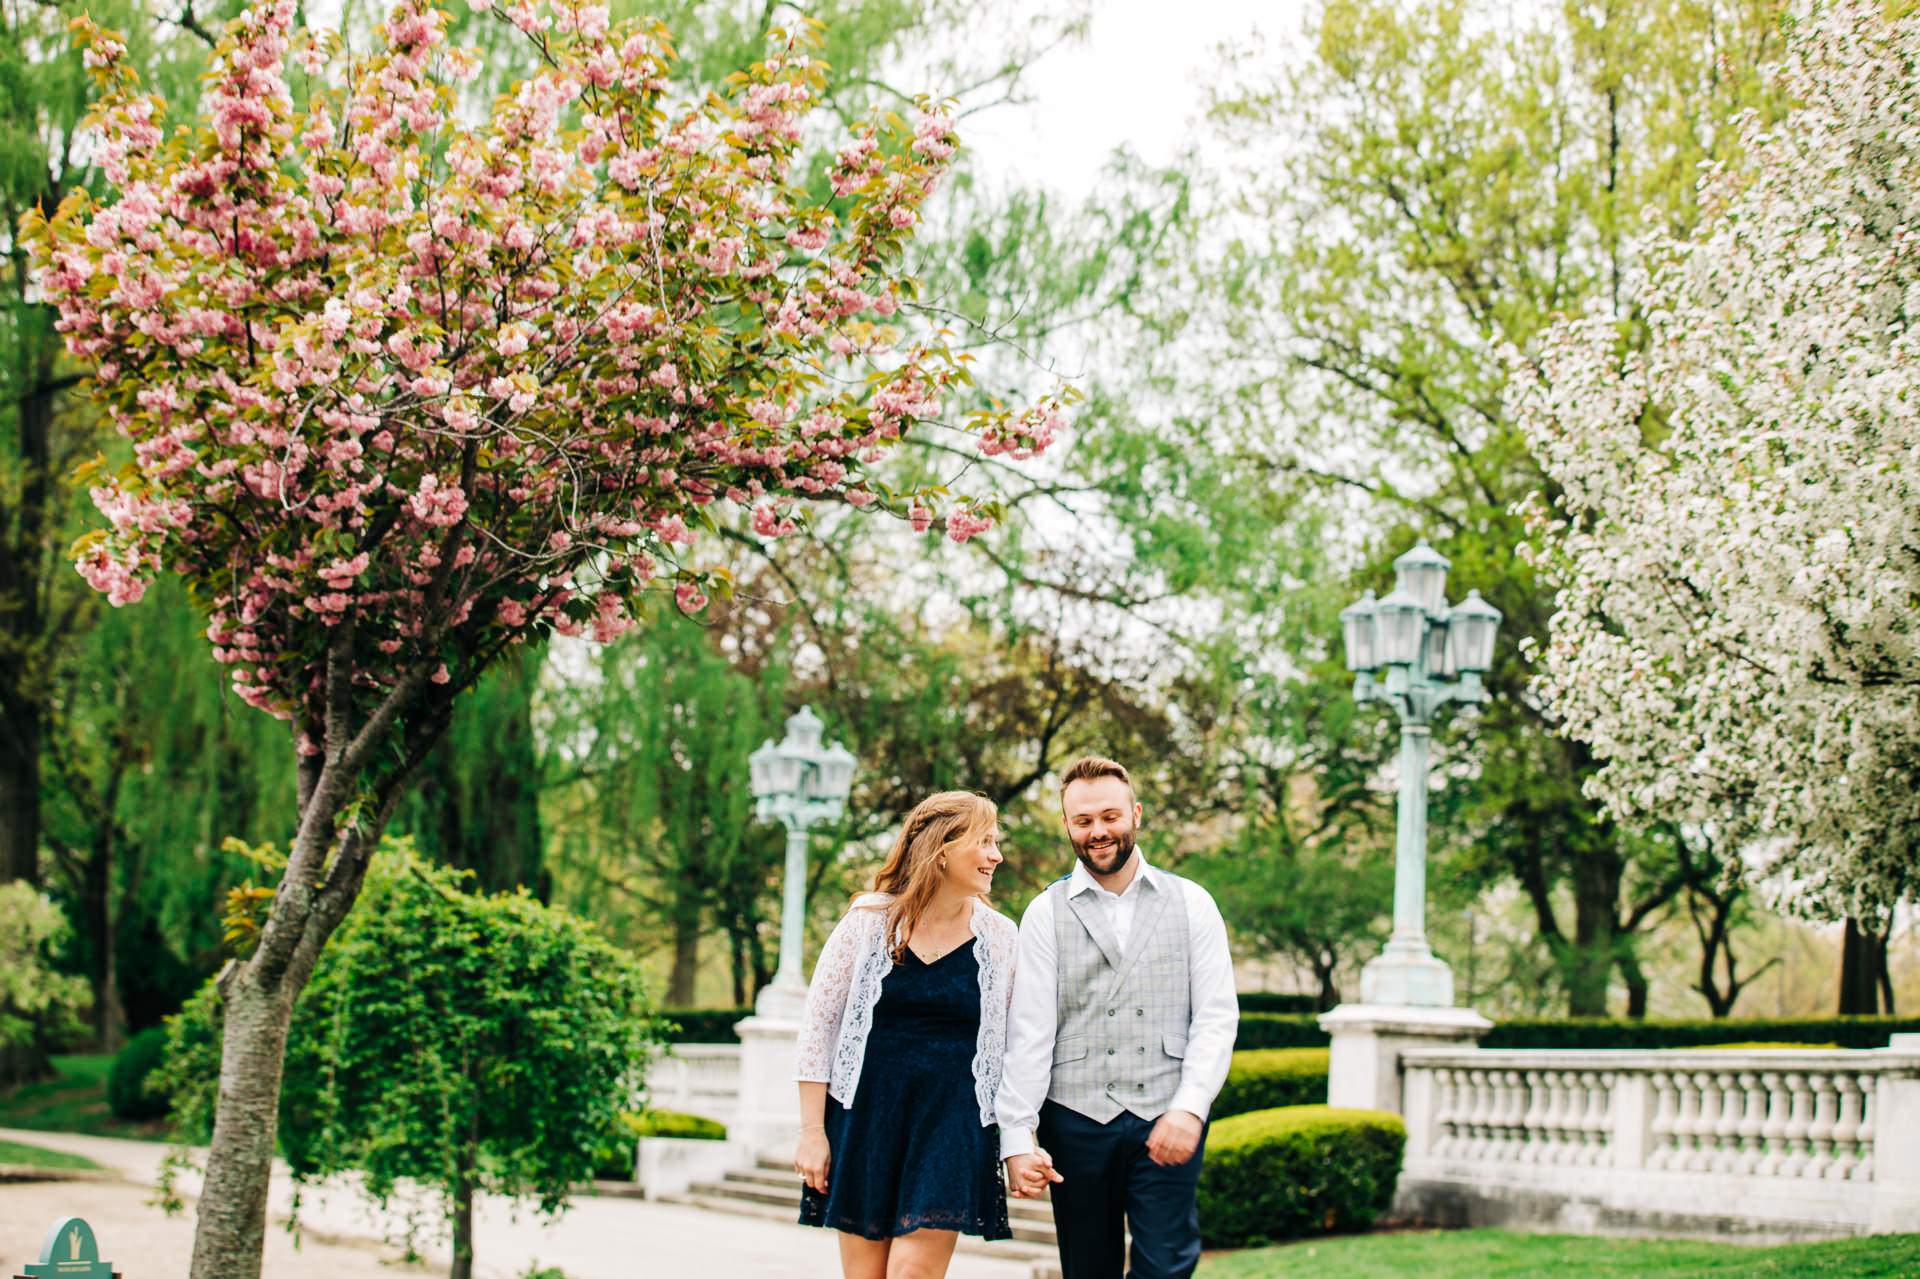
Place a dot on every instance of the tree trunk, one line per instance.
(737, 962)
(231, 1230)
(1635, 978)
(1323, 971)
(1588, 962)
(1861, 971)
(19, 786)
(686, 961)
(109, 1018)
(462, 1267)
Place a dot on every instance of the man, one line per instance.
(1121, 1031)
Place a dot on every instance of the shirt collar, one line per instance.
(1081, 880)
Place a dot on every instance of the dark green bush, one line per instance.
(127, 1093)
(703, 1025)
(1596, 1032)
(1266, 1001)
(1272, 1175)
(1280, 1030)
(1263, 1078)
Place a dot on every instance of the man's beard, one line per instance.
(1105, 861)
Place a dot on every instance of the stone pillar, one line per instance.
(1364, 1068)
(768, 1119)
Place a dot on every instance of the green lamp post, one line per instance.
(801, 784)
(1413, 652)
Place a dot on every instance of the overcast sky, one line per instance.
(1137, 79)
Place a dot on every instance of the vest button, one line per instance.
(1109, 1052)
(1139, 1012)
(1110, 1012)
(1143, 1048)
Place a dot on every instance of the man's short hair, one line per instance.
(1090, 767)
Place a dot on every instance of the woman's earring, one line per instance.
(943, 863)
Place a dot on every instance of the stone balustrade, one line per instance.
(1762, 1144)
(700, 1079)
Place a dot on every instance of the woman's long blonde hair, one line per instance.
(911, 873)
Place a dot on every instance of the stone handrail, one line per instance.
(1763, 1143)
(700, 1079)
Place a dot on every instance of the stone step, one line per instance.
(773, 1173)
(1015, 1249)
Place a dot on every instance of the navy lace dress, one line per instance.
(911, 1153)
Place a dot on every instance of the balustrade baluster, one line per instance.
(1773, 1135)
(1865, 1137)
(1726, 1129)
(1846, 1130)
(1799, 1120)
(1826, 1112)
(1753, 1121)
(1665, 1115)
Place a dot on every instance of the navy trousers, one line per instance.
(1110, 1185)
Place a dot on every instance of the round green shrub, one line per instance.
(1263, 1078)
(1271, 1175)
(127, 1093)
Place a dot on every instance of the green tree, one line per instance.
(1407, 204)
(465, 1042)
(38, 1003)
(151, 765)
(650, 746)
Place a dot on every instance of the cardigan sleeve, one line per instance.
(827, 999)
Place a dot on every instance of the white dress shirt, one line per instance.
(1033, 1019)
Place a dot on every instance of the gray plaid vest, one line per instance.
(1122, 1018)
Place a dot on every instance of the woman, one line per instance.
(901, 1048)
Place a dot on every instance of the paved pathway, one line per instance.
(597, 1239)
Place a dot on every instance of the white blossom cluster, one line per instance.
(1736, 537)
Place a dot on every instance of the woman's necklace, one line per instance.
(928, 954)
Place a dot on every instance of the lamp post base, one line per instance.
(1407, 975)
(768, 1120)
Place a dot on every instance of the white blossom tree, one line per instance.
(1735, 535)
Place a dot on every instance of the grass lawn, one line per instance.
(1500, 1254)
(13, 1152)
(74, 1100)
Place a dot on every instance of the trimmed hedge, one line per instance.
(703, 1025)
(1267, 1001)
(1261, 1029)
(1263, 1078)
(127, 1093)
(1272, 1175)
(1280, 1030)
(674, 1123)
(1842, 1032)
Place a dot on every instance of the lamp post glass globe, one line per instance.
(1415, 652)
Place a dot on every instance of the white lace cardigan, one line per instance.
(846, 985)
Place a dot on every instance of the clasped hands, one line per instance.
(1175, 1136)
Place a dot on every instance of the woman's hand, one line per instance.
(812, 1158)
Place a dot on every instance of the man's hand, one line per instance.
(1175, 1136)
(1028, 1175)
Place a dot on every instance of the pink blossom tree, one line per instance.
(405, 389)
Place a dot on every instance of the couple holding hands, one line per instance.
(1082, 1050)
